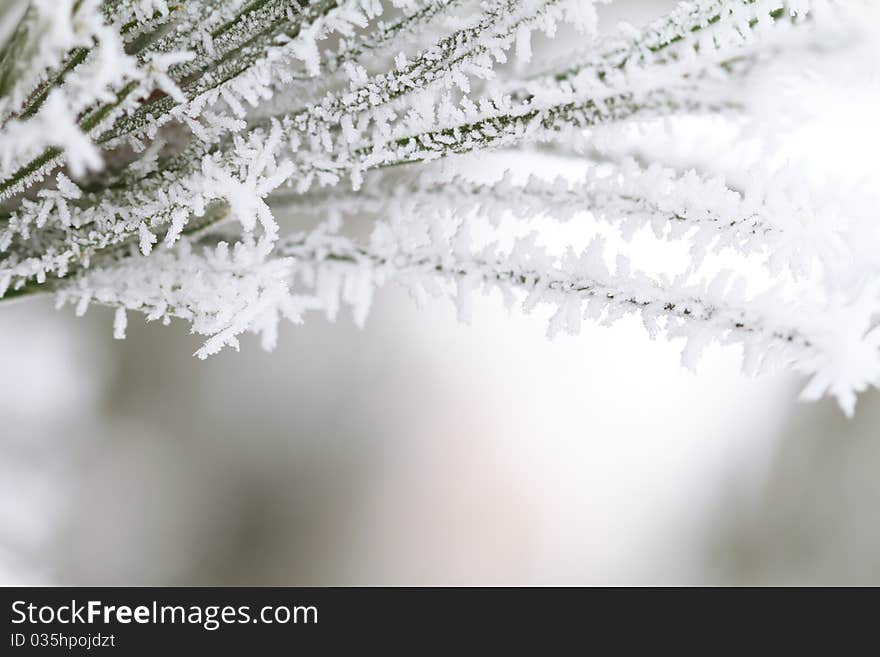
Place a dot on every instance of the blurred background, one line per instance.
(419, 451)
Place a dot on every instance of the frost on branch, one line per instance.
(221, 291)
(210, 161)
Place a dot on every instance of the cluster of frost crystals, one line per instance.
(205, 160)
(222, 291)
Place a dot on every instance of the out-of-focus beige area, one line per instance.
(419, 451)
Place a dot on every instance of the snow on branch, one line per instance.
(832, 339)
(154, 155)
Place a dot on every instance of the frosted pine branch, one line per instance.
(155, 155)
